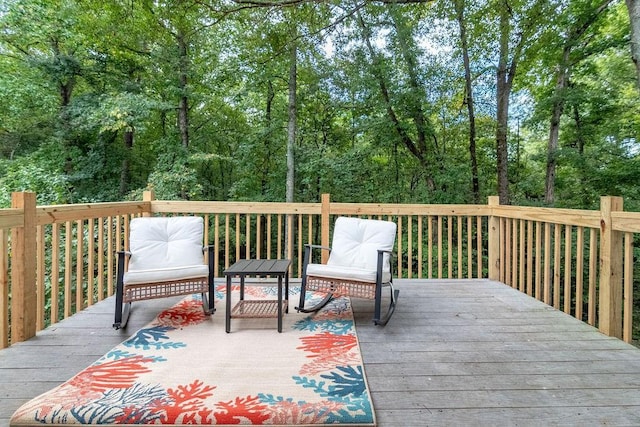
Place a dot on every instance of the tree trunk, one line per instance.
(415, 100)
(503, 89)
(562, 82)
(65, 85)
(475, 183)
(633, 6)
(183, 73)
(267, 140)
(125, 172)
(586, 203)
(65, 90)
(554, 127)
(291, 128)
(417, 150)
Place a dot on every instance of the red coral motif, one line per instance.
(235, 412)
(327, 363)
(185, 313)
(258, 292)
(291, 413)
(327, 351)
(44, 411)
(187, 405)
(130, 415)
(326, 343)
(121, 373)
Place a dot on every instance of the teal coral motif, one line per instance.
(347, 387)
(153, 337)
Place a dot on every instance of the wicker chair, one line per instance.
(165, 259)
(359, 265)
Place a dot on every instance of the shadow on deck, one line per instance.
(456, 352)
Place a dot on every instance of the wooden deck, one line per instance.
(456, 353)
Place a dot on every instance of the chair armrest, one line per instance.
(381, 253)
(120, 266)
(308, 248)
(307, 255)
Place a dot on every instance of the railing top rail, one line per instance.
(407, 209)
(626, 221)
(12, 217)
(61, 213)
(576, 217)
(219, 207)
(216, 207)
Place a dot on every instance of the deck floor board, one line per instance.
(457, 352)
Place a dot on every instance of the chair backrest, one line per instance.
(356, 242)
(165, 242)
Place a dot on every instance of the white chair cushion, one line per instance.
(165, 274)
(165, 249)
(346, 273)
(355, 245)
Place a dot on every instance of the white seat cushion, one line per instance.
(346, 273)
(165, 274)
(354, 250)
(164, 249)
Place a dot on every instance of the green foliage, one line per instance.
(91, 92)
(40, 172)
(172, 177)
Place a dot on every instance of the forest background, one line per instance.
(536, 101)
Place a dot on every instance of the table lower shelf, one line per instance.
(258, 308)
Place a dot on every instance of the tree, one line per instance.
(513, 45)
(633, 7)
(574, 38)
(424, 146)
(46, 36)
(459, 6)
(379, 101)
(292, 121)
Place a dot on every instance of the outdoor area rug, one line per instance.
(183, 368)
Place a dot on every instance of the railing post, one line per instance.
(494, 241)
(148, 196)
(24, 303)
(610, 301)
(324, 224)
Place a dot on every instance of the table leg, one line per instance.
(228, 314)
(279, 303)
(286, 289)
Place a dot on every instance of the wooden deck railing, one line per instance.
(57, 260)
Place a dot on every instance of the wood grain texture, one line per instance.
(455, 353)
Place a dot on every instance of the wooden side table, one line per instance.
(258, 308)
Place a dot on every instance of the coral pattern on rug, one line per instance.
(148, 378)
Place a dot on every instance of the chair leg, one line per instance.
(122, 314)
(207, 303)
(125, 317)
(122, 309)
(303, 295)
(316, 307)
(392, 307)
